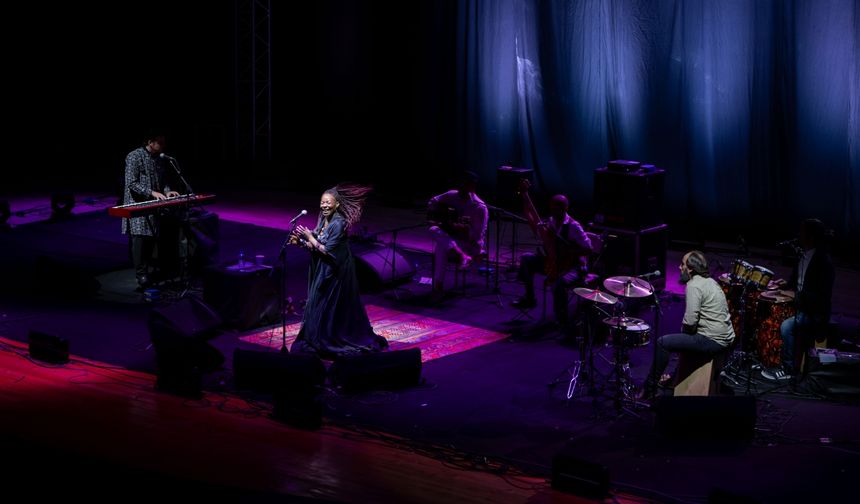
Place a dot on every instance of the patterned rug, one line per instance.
(436, 338)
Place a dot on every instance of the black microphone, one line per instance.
(303, 212)
(165, 156)
(651, 274)
(788, 243)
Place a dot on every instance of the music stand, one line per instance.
(392, 261)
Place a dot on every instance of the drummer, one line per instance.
(707, 326)
(812, 278)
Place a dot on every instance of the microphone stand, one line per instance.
(499, 213)
(394, 252)
(282, 256)
(184, 274)
(175, 166)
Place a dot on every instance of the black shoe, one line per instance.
(524, 302)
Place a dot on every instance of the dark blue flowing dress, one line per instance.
(335, 321)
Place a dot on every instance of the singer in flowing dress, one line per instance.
(334, 321)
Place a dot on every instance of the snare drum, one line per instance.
(741, 270)
(760, 277)
(772, 309)
(628, 331)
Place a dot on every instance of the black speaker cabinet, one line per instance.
(706, 417)
(377, 371)
(507, 181)
(48, 348)
(632, 253)
(269, 371)
(189, 318)
(628, 200)
(244, 297)
(375, 267)
(179, 334)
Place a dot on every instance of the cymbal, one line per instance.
(628, 286)
(595, 295)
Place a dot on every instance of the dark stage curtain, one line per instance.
(752, 107)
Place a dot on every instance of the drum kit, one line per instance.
(757, 309)
(624, 333)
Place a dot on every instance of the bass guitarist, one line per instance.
(564, 255)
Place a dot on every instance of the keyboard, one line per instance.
(142, 208)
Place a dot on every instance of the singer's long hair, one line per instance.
(351, 198)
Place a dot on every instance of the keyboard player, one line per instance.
(145, 180)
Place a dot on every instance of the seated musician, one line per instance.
(145, 180)
(707, 324)
(458, 221)
(812, 279)
(564, 257)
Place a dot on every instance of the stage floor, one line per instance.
(489, 393)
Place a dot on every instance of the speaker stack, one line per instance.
(179, 334)
(628, 199)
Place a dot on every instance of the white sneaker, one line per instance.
(775, 374)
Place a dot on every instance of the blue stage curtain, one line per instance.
(750, 106)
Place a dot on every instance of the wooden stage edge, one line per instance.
(104, 431)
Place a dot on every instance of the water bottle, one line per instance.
(241, 259)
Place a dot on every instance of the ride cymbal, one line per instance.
(628, 286)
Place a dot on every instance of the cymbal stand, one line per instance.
(573, 372)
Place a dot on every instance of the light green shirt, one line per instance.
(708, 311)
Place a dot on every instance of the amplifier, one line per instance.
(629, 200)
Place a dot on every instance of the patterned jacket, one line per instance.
(144, 173)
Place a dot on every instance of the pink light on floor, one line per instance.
(436, 337)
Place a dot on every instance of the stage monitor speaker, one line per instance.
(579, 477)
(631, 200)
(189, 318)
(244, 298)
(48, 348)
(377, 371)
(62, 205)
(179, 334)
(507, 181)
(706, 417)
(269, 371)
(374, 266)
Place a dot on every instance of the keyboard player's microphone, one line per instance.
(165, 156)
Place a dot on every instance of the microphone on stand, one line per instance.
(650, 274)
(303, 212)
(743, 245)
(788, 243)
(175, 166)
